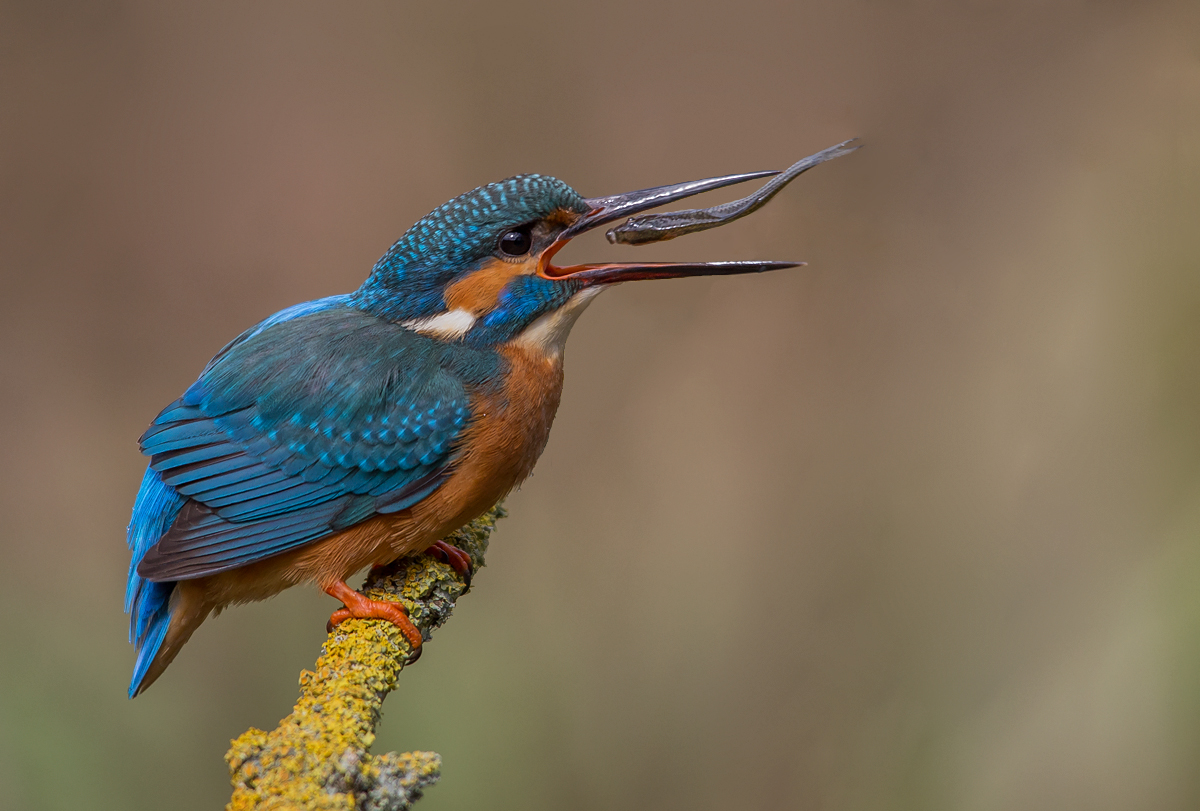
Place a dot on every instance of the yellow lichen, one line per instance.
(318, 758)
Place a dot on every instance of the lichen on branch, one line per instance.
(318, 758)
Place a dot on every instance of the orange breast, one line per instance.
(496, 453)
(499, 449)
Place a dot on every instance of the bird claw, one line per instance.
(454, 557)
(337, 618)
(358, 606)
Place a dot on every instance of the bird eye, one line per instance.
(517, 242)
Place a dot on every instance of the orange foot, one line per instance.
(459, 560)
(359, 607)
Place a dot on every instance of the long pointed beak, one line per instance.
(666, 226)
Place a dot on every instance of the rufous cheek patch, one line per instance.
(478, 292)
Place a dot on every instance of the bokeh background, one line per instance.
(915, 527)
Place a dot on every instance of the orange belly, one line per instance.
(495, 454)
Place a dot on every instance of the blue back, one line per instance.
(306, 427)
(318, 418)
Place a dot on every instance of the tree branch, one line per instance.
(318, 757)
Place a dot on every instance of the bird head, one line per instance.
(478, 268)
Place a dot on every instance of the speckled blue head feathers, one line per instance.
(454, 238)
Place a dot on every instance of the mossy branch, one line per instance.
(318, 758)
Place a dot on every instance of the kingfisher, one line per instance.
(357, 429)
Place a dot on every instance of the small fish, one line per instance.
(658, 227)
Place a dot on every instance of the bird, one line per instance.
(359, 428)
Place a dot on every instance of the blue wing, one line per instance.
(302, 427)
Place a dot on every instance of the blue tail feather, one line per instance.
(147, 603)
(156, 631)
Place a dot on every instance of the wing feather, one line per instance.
(304, 428)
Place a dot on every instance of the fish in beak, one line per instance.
(644, 230)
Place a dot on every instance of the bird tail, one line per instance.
(151, 605)
(168, 630)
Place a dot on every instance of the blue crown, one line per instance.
(454, 238)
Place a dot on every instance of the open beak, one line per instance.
(614, 207)
(666, 226)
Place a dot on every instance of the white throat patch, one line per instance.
(452, 324)
(548, 334)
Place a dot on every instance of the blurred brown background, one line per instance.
(914, 527)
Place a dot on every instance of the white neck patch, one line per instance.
(451, 324)
(548, 334)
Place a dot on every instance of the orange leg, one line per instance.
(458, 560)
(360, 607)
